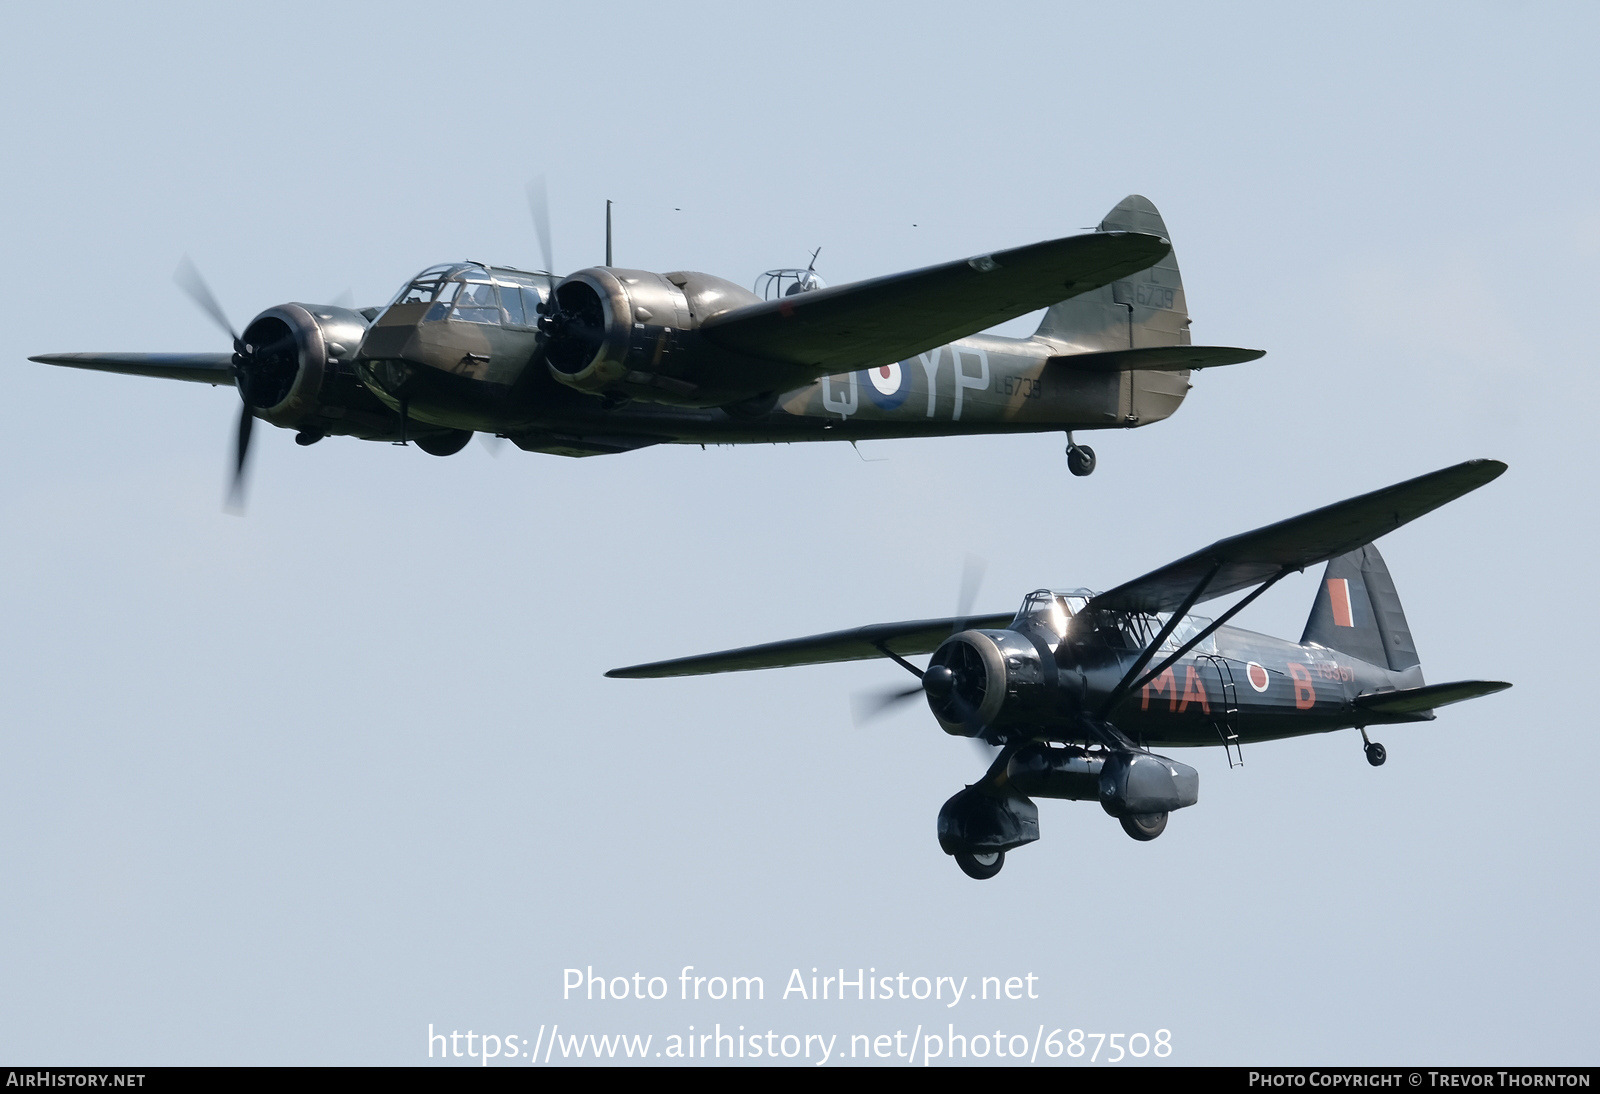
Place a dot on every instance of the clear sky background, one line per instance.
(288, 788)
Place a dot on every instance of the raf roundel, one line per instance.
(1257, 676)
(887, 385)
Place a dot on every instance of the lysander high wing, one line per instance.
(888, 319)
(202, 368)
(1251, 558)
(859, 644)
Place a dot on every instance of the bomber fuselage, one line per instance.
(457, 373)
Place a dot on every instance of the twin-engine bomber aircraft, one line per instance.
(607, 360)
(1066, 689)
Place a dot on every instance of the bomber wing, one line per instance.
(859, 644)
(888, 319)
(1255, 557)
(202, 368)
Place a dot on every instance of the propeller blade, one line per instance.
(867, 705)
(539, 207)
(189, 280)
(492, 443)
(972, 571)
(242, 450)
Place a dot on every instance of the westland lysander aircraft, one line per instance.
(1067, 690)
(607, 360)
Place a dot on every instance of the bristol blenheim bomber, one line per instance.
(1077, 687)
(607, 359)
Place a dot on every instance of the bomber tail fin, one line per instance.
(1358, 612)
(1143, 310)
(1138, 326)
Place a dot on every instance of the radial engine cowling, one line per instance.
(979, 682)
(295, 372)
(621, 333)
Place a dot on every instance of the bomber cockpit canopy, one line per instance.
(776, 283)
(467, 292)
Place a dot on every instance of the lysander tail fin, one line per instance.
(1357, 611)
(1142, 310)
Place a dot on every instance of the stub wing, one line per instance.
(1254, 557)
(888, 319)
(1419, 703)
(201, 368)
(904, 639)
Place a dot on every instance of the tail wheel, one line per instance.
(981, 865)
(1376, 754)
(1144, 827)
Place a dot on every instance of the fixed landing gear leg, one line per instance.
(1376, 753)
(1080, 457)
(405, 407)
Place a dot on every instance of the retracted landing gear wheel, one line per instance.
(1080, 459)
(445, 444)
(1376, 754)
(982, 865)
(1144, 827)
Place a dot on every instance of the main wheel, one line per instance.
(1080, 460)
(1144, 827)
(982, 865)
(1376, 754)
(445, 444)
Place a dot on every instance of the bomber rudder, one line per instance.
(1143, 309)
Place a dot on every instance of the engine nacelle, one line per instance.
(297, 372)
(979, 681)
(620, 333)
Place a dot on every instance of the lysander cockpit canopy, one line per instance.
(1057, 607)
(468, 292)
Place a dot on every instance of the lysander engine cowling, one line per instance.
(295, 372)
(621, 334)
(979, 682)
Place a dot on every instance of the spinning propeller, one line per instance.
(955, 684)
(250, 363)
(573, 329)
